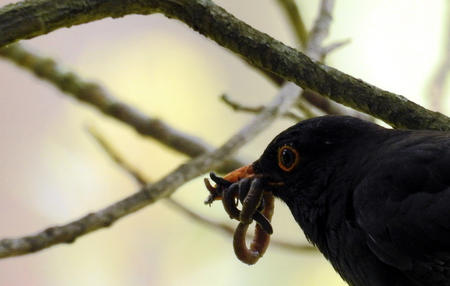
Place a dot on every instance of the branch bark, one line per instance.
(98, 97)
(223, 227)
(151, 193)
(29, 19)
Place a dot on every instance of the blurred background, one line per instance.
(52, 171)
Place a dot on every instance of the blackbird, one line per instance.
(375, 201)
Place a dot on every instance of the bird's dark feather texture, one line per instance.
(375, 201)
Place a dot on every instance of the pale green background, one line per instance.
(52, 172)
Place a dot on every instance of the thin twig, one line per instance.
(320, 29)
(151, 193)
(306, 109)
(312, 44)
(296, 22)
(114, 155)
(315, 50)
(227, 229)
(332, 47)
(440, 77)
(240, 107)
(142, 181)
(98, 97)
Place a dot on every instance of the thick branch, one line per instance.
(93, 94)
(32, 18)
(151, 193)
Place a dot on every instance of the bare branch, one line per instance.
(295, 18)
(315, 50)
(223, 227)
(240, 107)
(320, 29)
(151, 193)
(332, 47)
(29, 19)
(322, 103)
(109, 150)
(227, 229)
(98, 97)
(437, 85)
(306, 109)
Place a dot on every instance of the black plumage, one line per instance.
(375, 201)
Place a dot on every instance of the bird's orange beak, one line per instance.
(232, 177)
(240, 173)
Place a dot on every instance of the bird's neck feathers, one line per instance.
(323, 199)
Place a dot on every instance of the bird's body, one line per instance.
(375, 201)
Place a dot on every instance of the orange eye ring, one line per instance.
(287, 158)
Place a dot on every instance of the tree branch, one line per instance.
(98, 97)
(320, 30)
(142, 181)
(312, 43)
(240, 107)
(114, 156)
(151, 193)
(227, 229)
(32, 18)
(292, 12)
(316, 51)
(332, 47)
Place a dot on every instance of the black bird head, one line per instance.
(299, 164)
(307, 151)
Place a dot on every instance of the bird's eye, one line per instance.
(287, 158)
